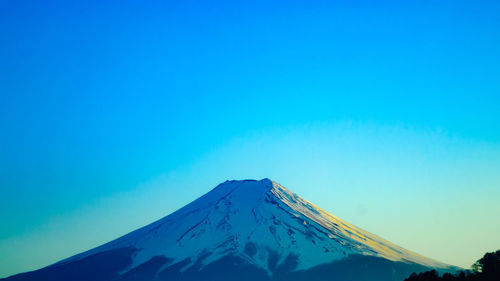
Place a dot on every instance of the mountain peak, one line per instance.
(250, 184)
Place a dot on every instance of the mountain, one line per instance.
(242, 230)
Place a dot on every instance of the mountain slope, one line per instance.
(244, 229)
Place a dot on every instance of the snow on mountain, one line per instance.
(256, 221)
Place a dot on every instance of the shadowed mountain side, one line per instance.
(145, 271)
(103, 266)
(107, 266)
(353, 268)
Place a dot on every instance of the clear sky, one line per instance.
(116, 113)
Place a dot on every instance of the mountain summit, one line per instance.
(243, 230)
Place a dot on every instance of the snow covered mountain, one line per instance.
(243, 230)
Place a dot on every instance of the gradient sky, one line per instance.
(116, 113)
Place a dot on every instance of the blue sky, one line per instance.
(115, 113)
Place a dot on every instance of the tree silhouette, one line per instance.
(486, 268)
(489, 264)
